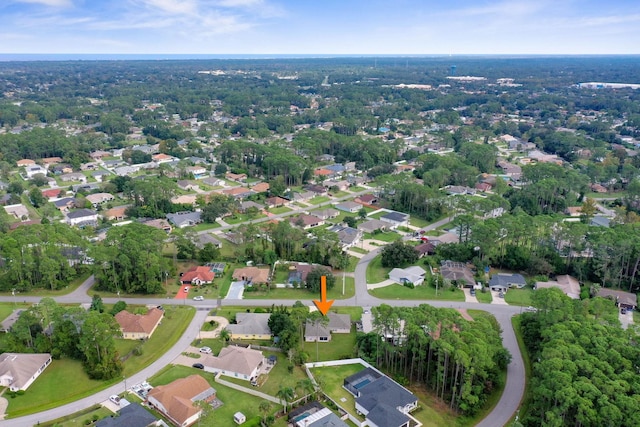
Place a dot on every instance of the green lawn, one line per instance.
(356, 189)
(224, 282)
(484, 297)
(319, 199)
(396, 291)
(358, 250)
(79, 418)
(300, 294)
(341, 346)
(47, 392)
(519, 296)
(233, 400)
(280, 210)
(236, 219)
(7, 308)
(389, 236)
(376, 273)
(204, 226)
(175, 322)
(340, 193)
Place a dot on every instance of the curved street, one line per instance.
(501, 414)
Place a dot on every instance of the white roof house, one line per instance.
(413, 274)
(18, 371)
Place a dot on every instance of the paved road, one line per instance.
(504, 410)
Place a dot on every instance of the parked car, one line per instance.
(198, 365)
(531, 308)
(501, 294)
(186, 289)
(205, 350)
(115, 399)
(623, 311)
(472, 292)
(198, 298)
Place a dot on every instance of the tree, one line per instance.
(350, 221)
(314, 279)
(220, 169)
(362, 213)
(97, 344)
(286, 395)
(588, 210)
(398, 254)
(97, 304)
(118, 307)
(208, 253)
(265, 408)
(225, 336)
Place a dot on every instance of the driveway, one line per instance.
(222, 323)
(235, 290)
(626, 319)
(496, 298)
(468, 297)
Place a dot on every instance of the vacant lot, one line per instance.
(396, 291)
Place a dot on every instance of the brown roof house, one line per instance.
(177, 399)
(200, 275)
(18, 371)
(622, 299)
(457, 271)
(306, 221)
(252, 275)
(567, 284)
(237, 362)
(139, 326)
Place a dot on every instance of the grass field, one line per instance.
(389, 236)
(484, 297)
(396, 291)
(376, 273)
(233, 400)
(358, 250)
(300, 294)
(79, 418)
(341, 346)
(519, 296)
(319, 199)
(280, 210)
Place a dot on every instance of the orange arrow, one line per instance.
(323, 305)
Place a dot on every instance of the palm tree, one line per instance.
(265, 408)
(306, 387)
(286, 395)
(225, 336)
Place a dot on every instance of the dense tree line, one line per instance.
(458, 360)
(584, 364)
(72, 332)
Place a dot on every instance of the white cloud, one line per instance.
(54, 3)
(183, 7)
(239, 3)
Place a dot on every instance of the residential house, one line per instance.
(510, 170)
(318, 190)
(132, 415)
(218, 268)
(33, 170)
(237, 177)
(186, 199)
(99, 154)
(116, 214)
(125, 170)
(19, 370)
(19, 211)
(51, 193)
(622, 299)
(303, 196)
(197, 171)
(203, 239)
(212, 181)
(198, 275)
(236, 362)
(91, 166)
(65, 204)
(261, 187)
(342, 185)
(25, 162)
(325, 214)
(483, 187)
(458, 272)
(177, 400)
(61, 169)
(337, 168)
(298, 271)
(348, 236)
(139, 326)
(161, 224)
(366, 199)
(82, 218)
(504, 281)
(251, 326)
(348, 206)
(238, 192)
(373, 225)
(459, 190)
(306, 221)
(413, 274)
(600, 221)
(99, 198)
(598, 188)
(382, 401)
(274, 202)
(248, 204)
(314, 415)
(184, 219)
(73, 177)
(574, 211)
(426, 248)
(339, 323)
(183, 184)
(162, 158)
(396, 219)
(324, 173)
(316, 331)
(568, 285)
(251, 275)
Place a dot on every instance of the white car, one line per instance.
(205, 350)
(186, 289)
(531, 308)
(115, 399)
(198, 298)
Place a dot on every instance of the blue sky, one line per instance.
(399, 27)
